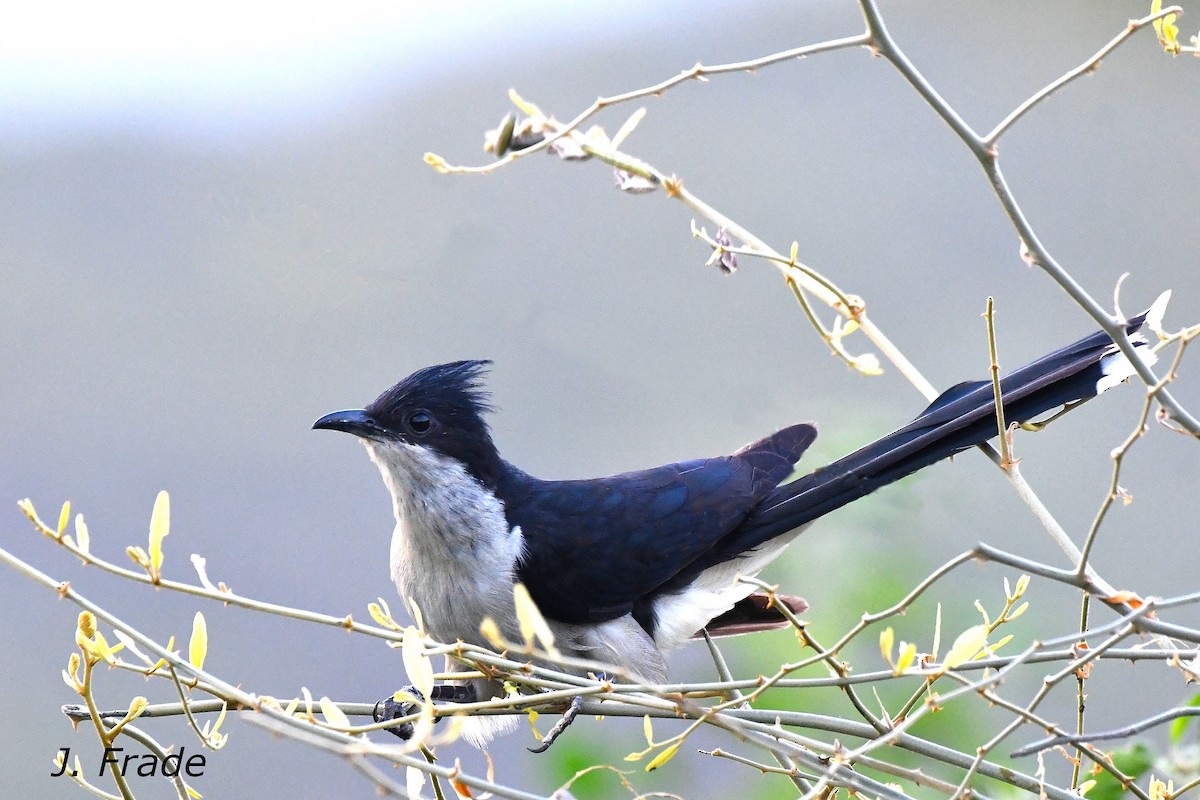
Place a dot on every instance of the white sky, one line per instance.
(66, 65)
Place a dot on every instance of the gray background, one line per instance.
(194, 273)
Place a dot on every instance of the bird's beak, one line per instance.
(354, 420)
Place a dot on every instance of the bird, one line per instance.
(627, 567)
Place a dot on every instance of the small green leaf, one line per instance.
(887, 638)
(138, 556)
(666, 755)
(491, 631)
(416, 663)
(1134, 762)
(333, 715)
(198, 646)
(628, 127)
(968, 643)
(937, 632)
(160, 526)
(1154, 317)
(82, 539)
(527, 108)
(529, 617)
(136, 707)
(1179, 724)
(438, 163)
(64, 517)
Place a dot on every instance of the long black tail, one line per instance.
(961, 417)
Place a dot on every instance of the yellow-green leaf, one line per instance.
(867, 364)
(437, 162)
(983, 612)
(160, 526)
(666, 755)
(992, 648)
(220, 717)
(94, 648)
(532, 717)
(527, 108)
(937, 632)
(71, 673)
(648, 730)
(110, 651)
(414, 782)
(83, 539)
(417, 616)
(162, 661)
(138, 556)
(1154, 317)
(382, 619)
(533, 624)
(334, 715)
(416, 663)
(968, 643)
(198, 647)
(908, 654)
(26, 507)
(491, 631)
(628, 127)
(1170, 33)
(887, 638)
(138, 705)
(64, 517)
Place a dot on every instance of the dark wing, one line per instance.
(593, 548)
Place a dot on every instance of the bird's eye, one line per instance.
(419, 422)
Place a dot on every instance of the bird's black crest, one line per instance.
(453, 395)
(454, 389)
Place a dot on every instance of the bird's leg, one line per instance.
(567, 718)
(389, 708)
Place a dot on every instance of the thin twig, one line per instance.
(1006, 459)
(1123, 732)
(1086, 68)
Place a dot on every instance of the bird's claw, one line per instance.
(389, 708)
(567, 718)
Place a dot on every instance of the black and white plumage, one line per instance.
(627, 566)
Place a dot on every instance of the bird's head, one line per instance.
(439, 409)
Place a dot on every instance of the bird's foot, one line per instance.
(390, 708)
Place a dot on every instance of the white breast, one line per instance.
(453, 553)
